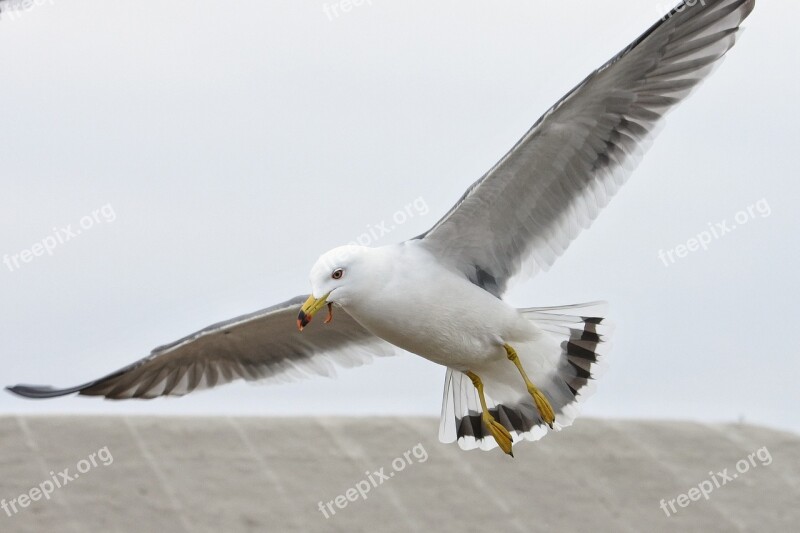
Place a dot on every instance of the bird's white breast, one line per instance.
(422, 307)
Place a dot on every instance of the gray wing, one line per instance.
(10, 6)
(523, 213)
(260, 345)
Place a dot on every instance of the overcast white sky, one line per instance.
(211, 130)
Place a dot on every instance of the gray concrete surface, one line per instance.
(269, 474)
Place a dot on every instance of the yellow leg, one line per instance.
(544, 407)
(499, 432)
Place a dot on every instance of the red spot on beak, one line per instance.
(302, 320)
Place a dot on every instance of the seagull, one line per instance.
(511, 374)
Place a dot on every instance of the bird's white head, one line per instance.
(338, 276)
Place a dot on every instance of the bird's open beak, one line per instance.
(309, 309)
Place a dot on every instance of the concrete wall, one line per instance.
(268, 474)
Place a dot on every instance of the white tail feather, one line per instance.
(577, 337)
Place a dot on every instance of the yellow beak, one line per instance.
(309, 309)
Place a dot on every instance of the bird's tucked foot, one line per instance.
(544, 407)
(542, 403)
(498, 431)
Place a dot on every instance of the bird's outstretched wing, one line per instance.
(256, 346)
(11, 6)
(523, 213)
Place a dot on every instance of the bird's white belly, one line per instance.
(451, 322)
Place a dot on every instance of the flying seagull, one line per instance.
(511, 373)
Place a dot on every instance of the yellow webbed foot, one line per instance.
(542, 404)
(500, 433)
(544, 407)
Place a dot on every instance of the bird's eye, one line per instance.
(337, 274)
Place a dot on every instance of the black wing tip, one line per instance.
(40, 391)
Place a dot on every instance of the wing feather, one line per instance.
(264, 344)
(556, 179)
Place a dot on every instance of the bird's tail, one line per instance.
(575, 338)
